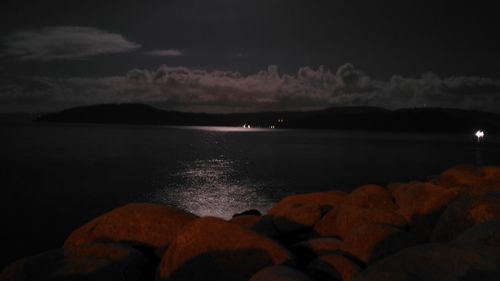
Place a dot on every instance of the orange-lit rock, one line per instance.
(54, 265)
(327, 200)
(372, 196)
(464, 214)
(316, 247)
(279, 273)
(261, 224)
(436, 262)
(296, 217)
(139, 224)
(213, 249)
(327, 226)
(421, 204)
(333, 267)
(373, 242)
(470, 176)
(246, 221)
(339, 222)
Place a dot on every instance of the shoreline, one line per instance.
(451, 224)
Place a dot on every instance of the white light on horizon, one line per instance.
(479, 134)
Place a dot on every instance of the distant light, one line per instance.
(272, 126)
(479, 135)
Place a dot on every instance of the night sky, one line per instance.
(238, 55)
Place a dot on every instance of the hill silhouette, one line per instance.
(338, 118)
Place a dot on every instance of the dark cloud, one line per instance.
(227, 91)
(165, 53)
(65, 43)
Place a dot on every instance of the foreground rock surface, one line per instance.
(373, 233)
(341, 221)
(55, 265)
(143, 224)
(212, 249)
(279, 273)
(464, 214)
(421, 204)
(437, 262)
(334, 267)
(373, 242)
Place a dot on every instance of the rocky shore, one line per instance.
(447, 228)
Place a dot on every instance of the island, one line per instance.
(336, 118)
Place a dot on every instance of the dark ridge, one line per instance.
(336, 118)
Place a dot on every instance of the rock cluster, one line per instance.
(444, 229)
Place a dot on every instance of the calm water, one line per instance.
(56, 177)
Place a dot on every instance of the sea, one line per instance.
(56, 177)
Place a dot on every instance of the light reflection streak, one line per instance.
(210, 188)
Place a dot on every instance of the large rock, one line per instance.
(317, 247)
(421, 204)
(279, 273)
(246, 221)
(54, 265)
(261, 224)
(487, 233)
(296, 217)
(372, 196)
(437, 262)
(142, 224)
(470, 177)
(373, 242)
(333, 267)
(339, 222)
(213, 249)
(327, 200)
(465, 213)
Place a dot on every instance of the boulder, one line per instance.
(55, 265)
(246, 221)
(333, 267)
(142, 224)
(372, 196)
(279, 273)
(487, 233)
(327, 200)
(317, 247)
(465, 213)
(421, 204)
(266, 227)
(213, 249)
(327, 226)
(339, 222)
(375, 241)
(437, 262)
(470, 177)
(296, 217)
(261, 224)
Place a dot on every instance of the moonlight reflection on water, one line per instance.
(210, 188)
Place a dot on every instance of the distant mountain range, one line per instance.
(337, 118)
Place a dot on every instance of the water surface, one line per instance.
(56, 177)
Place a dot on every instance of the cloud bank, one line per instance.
(195, 89)
(165, 53)
(65, 43)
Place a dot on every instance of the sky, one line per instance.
(255, 55)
